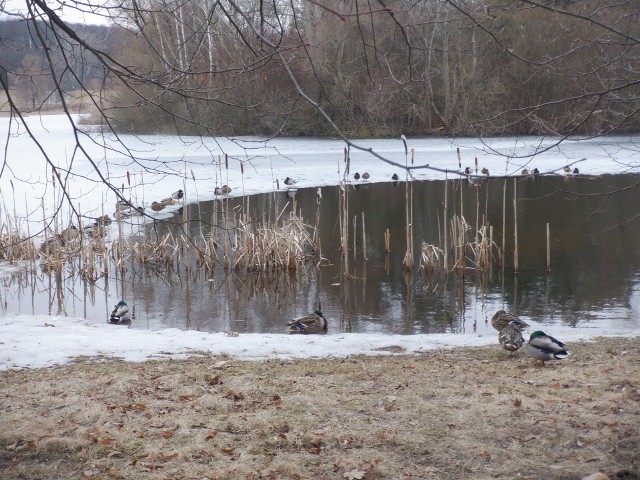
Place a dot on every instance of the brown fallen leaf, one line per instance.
(233, 395)
(284, 428)
(517, 402)
(211, 435)
(354, 475)
(228, 450)
(167, 433)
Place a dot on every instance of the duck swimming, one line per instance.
(120, 313)
(501, 319)
(312, 323)
(543, 347)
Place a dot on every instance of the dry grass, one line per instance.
(469, 413)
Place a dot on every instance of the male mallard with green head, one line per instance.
(543, 347)
(312, 323)
(510, 337)
(501, 319)
(120, 313)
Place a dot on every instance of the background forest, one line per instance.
(362, 68)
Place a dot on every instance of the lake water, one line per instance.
(593, 283)
(594, 280)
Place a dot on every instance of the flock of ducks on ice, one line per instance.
(541, 347)
(125, 209)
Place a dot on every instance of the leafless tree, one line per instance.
(217, 67)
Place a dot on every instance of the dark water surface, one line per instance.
(593, 283)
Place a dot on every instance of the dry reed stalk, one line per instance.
(344, 225)
(355, 242)
(460, 184)
(504, 222)
(387, 242)
(515, 226)
(408, 195)
(459, 226)
(548, 248)
(445, 226)
(477, 211)
(364, 241)
(316, 231)
(429, 257)
(483, 247)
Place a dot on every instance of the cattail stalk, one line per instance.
(515, 227)
(548, 248)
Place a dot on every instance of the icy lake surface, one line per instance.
(593, 288)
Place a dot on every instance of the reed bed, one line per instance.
(285, 246)
(16, 245)
(270, 243)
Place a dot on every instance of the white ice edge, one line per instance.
(43, 341)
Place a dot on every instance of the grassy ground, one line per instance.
(467, 413)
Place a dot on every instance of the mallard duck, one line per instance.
(467, 170)
(312, 323)
(177, 195)
(356, 176)
(524, 171)
(543, 347)
(501, 319)
(510, 337)
(104, 220)
(576, 171)
(157, 206)
(535, 171)
(70, 233)
(289, 181)
(120, 313)
(168, 201)
(485, 171)
(567, 170)
(223, 190)
(395, 177)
